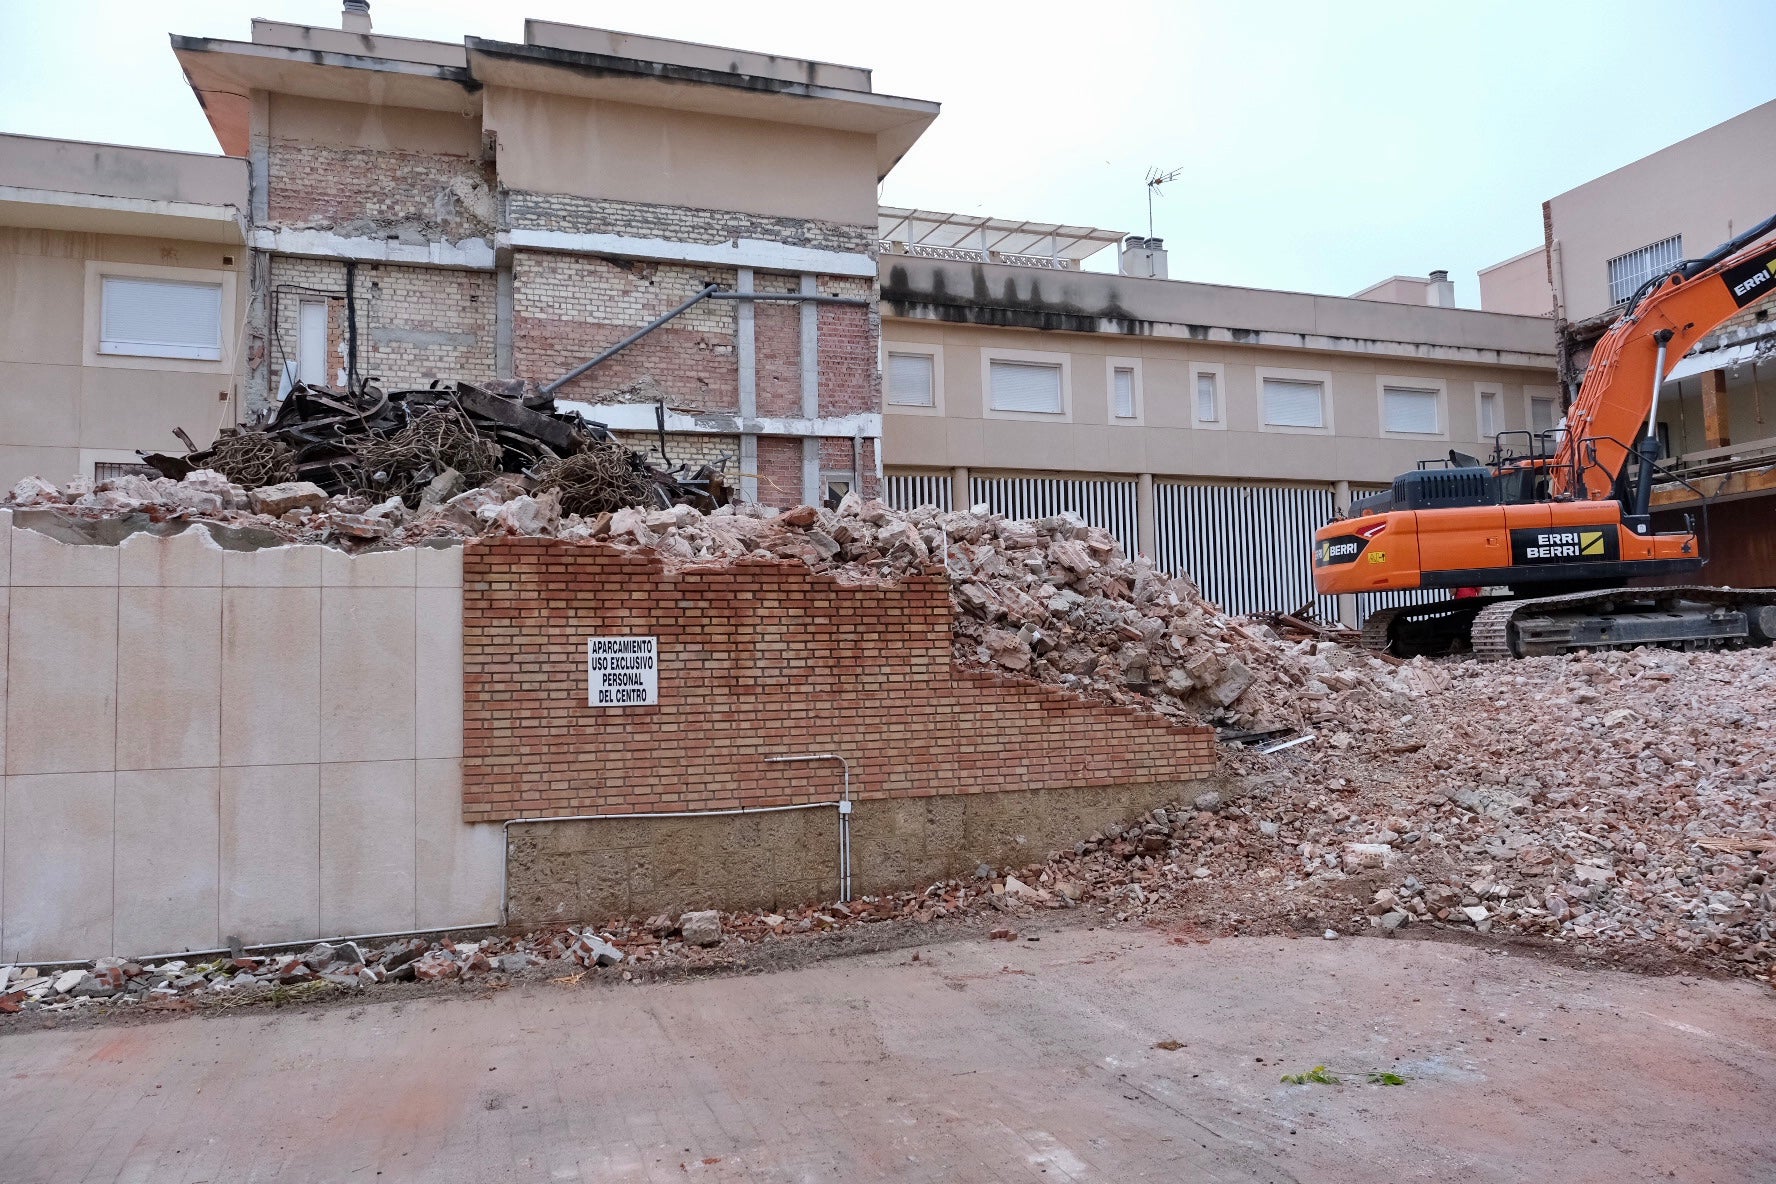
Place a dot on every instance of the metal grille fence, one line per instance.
(1247, 547)
(907, 491)
(1105, 503)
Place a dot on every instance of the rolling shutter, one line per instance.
(1125, 393)
(160, 318)
(1026, 386)
(911, 380)
(1405, 409)
(1292, 404)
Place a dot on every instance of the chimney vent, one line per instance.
(1440, 293)
(1438, 277)
(1144, 258)
(355, 18)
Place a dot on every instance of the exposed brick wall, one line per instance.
(761, 658)
(780, 471)
(414, 323)
(368, 191)
(695, 448)
(849, 381)
(839, 455)
(567, 308)
(683, 224)
(777, 344)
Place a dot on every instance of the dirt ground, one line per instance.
(972, 1059)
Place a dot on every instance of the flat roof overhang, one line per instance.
(224, 74)
(896, 123)
(51, 209)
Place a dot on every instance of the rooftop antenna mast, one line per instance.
(1155, 179)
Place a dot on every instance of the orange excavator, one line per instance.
(1561, 519)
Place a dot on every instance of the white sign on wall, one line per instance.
(625, 671)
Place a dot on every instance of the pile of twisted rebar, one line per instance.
(422, 446)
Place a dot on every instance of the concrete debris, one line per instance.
(702, 928)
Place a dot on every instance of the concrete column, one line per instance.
(811, 490)
(959, 499)
(746, 351)
(1341, 504)
(258, 384)
(810, 392)
(1717, 420)
(1146, 520)
(504, 313)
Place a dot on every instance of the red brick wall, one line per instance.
(777, 341)
(849, 384)
(761, 658)
(780, 471)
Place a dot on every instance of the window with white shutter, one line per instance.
(1208, 399)
(1125, 392)
(1026, 386)
(1410, 410)
(1489, 415)
(1543, 414)
(912, 380)
(160, 318)
(1291, 403)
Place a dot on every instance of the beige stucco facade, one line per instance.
(75, 214)
(1519, 285)
(1168, 333)
(1707, 188)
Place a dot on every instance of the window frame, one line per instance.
(1218, 371)
(927, 349)
(1481, 390)
(1027, 357)
(1530, 395)
(1111, 366)
(1675, 241)
(228, 329)
(1438, 387)
(1328, 418)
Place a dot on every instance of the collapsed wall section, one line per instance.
(766, 658)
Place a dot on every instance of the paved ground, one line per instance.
(980, 1061)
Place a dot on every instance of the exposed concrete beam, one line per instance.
(743, 252)
(639, 417)
(476, 254)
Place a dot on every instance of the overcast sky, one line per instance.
(1323, 146)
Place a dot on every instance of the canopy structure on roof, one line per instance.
(978, 239)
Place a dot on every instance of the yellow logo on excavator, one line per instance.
(1590, 542)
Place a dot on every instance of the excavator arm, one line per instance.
(1615, 414)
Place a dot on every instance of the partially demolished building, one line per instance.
(428, 211)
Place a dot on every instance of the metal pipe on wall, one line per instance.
(844, 816)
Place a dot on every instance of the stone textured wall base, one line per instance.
(595, 870)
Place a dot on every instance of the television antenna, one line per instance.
(1155, 179)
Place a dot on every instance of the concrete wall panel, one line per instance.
(169, 677)
(59, 862)
(61, 710)
(168, 824)
(367, 880)
(270, 857)
(271, 676)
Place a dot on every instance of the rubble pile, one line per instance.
(1053, 599)
(424, 447)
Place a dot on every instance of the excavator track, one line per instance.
(1689, 617)
(1432, 629)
